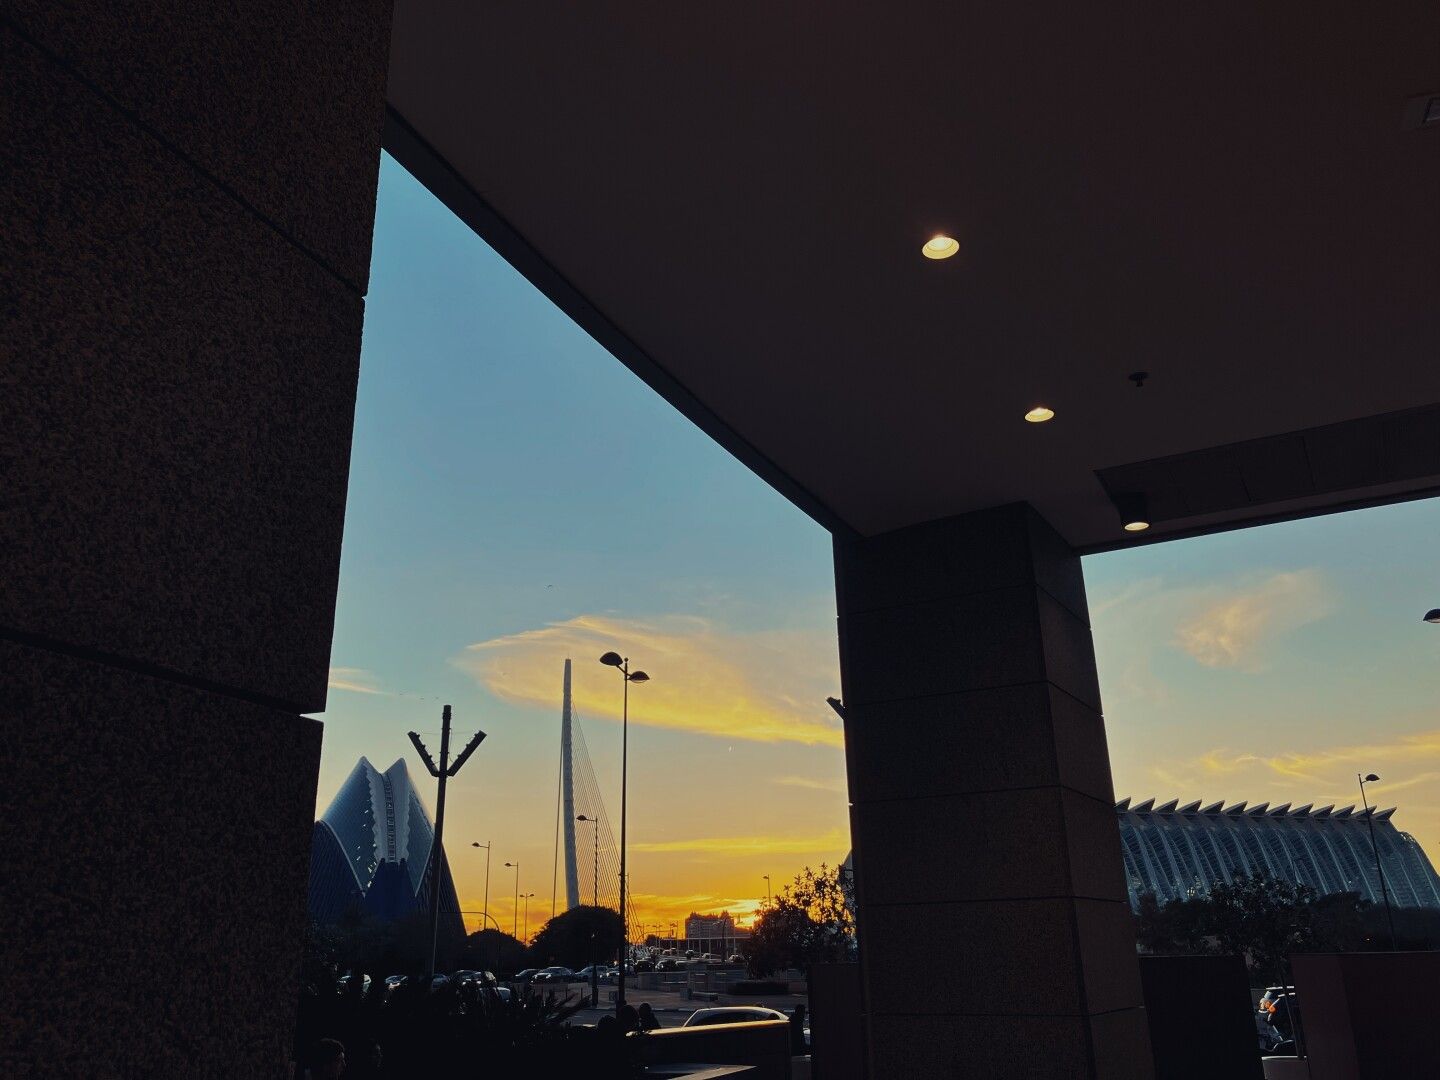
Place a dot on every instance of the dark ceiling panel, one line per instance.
(732, 198)
(1378, 450)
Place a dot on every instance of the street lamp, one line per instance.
(622, 664)
(1379, 870)
(486, 846)
(596, 823)
(526, 898)
(767, 891)
(515, 913)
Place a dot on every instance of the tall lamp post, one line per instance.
(622, 664)
(486, 905)
(596, 823)
(767, 891)
(1379, 870)
(515, 912)
(526, 898)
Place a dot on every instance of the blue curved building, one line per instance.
(1182, 851)
(371, 852)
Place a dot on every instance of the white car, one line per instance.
(733, 1014)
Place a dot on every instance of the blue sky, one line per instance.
(516, 496)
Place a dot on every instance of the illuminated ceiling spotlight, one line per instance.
(1134, 512)
(1039, 414)
(940, 247)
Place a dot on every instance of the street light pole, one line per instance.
(615, 660)
(515, 912)
(1379, 870)
(486, 905)
(596, 882)
(767, 891)
(526, 898)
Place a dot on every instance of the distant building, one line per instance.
(713, 933)
(1182, 851)
(370, 853)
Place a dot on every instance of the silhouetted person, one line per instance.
(797, 1031)
(326, 1060)
(628, 1018)
(648, 1020)
(369, 1060)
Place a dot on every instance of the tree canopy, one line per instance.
(567, 938)
(1263, 919)
(810, 921)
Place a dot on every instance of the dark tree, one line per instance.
(493, 950)
(809, 922)
(578, 937)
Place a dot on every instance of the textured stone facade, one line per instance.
(186, 215)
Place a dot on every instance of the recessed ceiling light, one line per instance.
(940, 247)
(1040, 414)
(1134, 511)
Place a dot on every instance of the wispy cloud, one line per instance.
(356, 680)
(1233, 628)
(1324, 774)
(825, 843)
(808, 782)
(765, 686)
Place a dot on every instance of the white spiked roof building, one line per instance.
(1179, 851)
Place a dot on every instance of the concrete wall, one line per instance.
(1370, 1016)
(187, 206)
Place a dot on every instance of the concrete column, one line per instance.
(187, 205)
(995, 932)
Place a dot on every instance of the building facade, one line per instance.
(371, 853)
(1183, 851)
(713, 933)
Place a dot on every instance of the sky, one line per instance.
(517, 496)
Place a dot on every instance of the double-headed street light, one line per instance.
(526, 898)
(515, 913)
(486, 846)
(596, 823)
(1379, 870)
(622, 664)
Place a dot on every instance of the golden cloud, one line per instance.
(1230, 629)
(834, 840)
(356, 680)
(765, 686)
(809, 783)
(1409, 763)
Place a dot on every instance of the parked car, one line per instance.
(599, 971)
(346, 983)
(554, 974)
(732, 1014)
(394, 982)
(666, 963)
(644, 965)
(525, 974)
(736, 958)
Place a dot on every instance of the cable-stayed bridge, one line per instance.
(592, 875)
